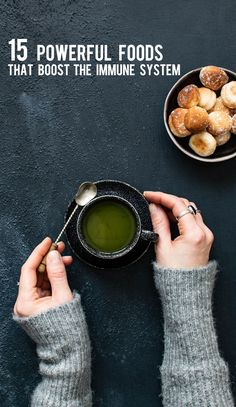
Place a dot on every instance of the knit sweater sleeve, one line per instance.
(63, 347)
(193, 373)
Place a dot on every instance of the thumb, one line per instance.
(160, 223)
(57, 277)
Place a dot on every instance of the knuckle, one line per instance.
(210, 236)
(18, 309)
(197, 237)
(185, 201)
(58, 272)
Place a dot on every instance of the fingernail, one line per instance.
(46, 238)
(146, 192)
(54, 257)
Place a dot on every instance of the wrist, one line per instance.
(185, 260)
(25, 308)
(182, 265)
(54, 324)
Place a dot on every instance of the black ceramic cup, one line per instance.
(139, 233)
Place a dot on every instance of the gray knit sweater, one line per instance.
(193, 372)
(63, 348)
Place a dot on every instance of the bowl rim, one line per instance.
(171, 135)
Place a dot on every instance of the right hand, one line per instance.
(192, 247)
(40, 291)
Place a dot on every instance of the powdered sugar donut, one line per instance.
(176, 122)
(219, 123)
(196, 119)
(203, 144)
(207, 98)
(213, 77)
(220, 107)
(228, 95)
(223, 138)
(188, 96)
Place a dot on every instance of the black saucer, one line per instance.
(123, 190)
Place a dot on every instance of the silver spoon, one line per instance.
(86, 192)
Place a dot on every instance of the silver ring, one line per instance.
(18, 283)
(190, 209)
(186, 212)
(194, 209)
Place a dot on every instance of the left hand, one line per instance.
(40, 291)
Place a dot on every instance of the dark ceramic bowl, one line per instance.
(222, 153)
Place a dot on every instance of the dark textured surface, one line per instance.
(58, 132)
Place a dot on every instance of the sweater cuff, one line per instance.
(185, 285)
(186, 297)
(60, 323)
(185, 289)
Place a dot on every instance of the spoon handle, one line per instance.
(42, 266)
(66, 224)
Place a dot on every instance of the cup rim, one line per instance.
(118, 253)
(173, 138)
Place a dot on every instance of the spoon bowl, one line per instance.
(86, 192)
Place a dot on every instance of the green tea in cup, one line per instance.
(108, 226)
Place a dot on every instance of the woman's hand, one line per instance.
(192, 247)
(40, 291)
